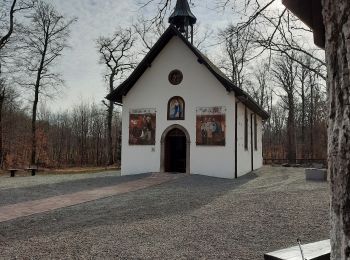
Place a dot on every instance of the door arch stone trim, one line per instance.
(162, 146)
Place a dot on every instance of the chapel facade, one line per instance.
(182, 114)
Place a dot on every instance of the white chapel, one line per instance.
(181, 114)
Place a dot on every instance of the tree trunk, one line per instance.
(312, 121)
(302, 156)
(303, 114)
(110, 120)
(2, 98)
(336, 16)
(34, 141)
(291, 131)
(109, 133)
(36, 100)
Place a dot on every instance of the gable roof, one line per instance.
(123, 89)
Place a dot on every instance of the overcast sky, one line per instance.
(79, 65)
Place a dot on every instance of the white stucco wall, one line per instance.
(199, 88)
(258, 158)
(244, 164)
(243, 155)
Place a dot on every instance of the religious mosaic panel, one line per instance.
(142, 127)
(210, 126)
(176, 109)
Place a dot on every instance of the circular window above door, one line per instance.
(175, 77)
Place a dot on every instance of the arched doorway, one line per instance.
(175, 150)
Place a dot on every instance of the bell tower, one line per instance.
(183, 19)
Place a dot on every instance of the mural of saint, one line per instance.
(176, 109)
(210, 126)
(142, 128)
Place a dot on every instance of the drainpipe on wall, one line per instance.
(236, 126)
(251, 141)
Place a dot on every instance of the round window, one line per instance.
(175, 77)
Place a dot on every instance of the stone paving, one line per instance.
(23, 209)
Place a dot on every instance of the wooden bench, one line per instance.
(314, 251)
(13, 172)
(32, 169)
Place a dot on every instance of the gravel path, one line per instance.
(58, 186)
(7, 182)
(193, 217)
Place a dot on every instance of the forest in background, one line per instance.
(288, 82)
(74, 138)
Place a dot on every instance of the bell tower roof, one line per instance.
(182, 14)
(183, 19)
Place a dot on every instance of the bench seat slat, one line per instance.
(318, 250)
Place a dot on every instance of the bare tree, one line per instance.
(282, 38)
(45, 39)
(75, 137)
(5, 35)
(276, 132)
(148, 33)
(316, 103)
(116, 53)
(237, 52)
(98, 133)
(6, 96)
(260, 89)
(258, 86)
(7, 21)
(274, 29)
(302, 76)
(81, 126)
(8, 27)
(285, 72)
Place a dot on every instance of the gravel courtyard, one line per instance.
(192, 217)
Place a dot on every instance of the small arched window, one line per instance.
(176, 108)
